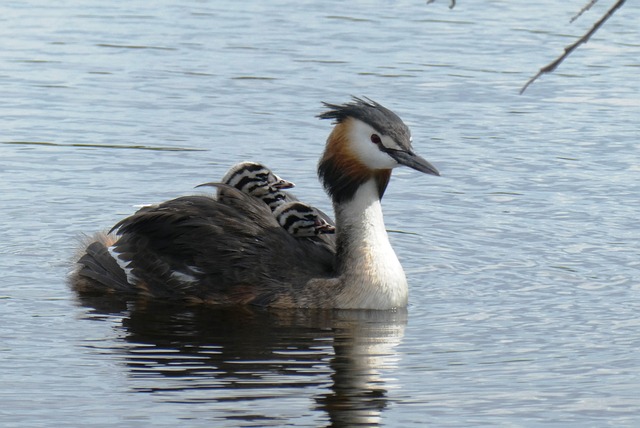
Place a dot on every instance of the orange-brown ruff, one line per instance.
(340, 156)
(233, 251)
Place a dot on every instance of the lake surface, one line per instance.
(523, 258)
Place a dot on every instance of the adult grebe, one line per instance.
(198, 249)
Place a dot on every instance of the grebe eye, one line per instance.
(375, 139)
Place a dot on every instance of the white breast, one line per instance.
(373, 276)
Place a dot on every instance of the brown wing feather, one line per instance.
(196, 247)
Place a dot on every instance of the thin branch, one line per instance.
(583, 10)
(549, 68)
(451, 5)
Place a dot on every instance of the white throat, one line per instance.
(369, 269)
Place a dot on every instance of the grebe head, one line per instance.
(367, 142)
(254, 179)
(302, 220)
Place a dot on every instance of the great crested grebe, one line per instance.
(302, 220)
(256, 180)
(306, 222)
(299, 219)
(198, 249)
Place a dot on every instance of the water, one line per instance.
(522, 258)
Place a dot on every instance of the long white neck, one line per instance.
(369, 271)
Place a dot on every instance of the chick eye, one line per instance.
(375, 139)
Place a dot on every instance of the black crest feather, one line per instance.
(372, 113)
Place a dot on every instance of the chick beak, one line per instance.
(282, 184)
(323, 227)
(412, 160)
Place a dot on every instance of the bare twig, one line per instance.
(451, 5)
(583, 10)
(549, 68)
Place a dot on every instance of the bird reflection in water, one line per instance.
(236, 357)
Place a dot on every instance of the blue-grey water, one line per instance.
(523, 258)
